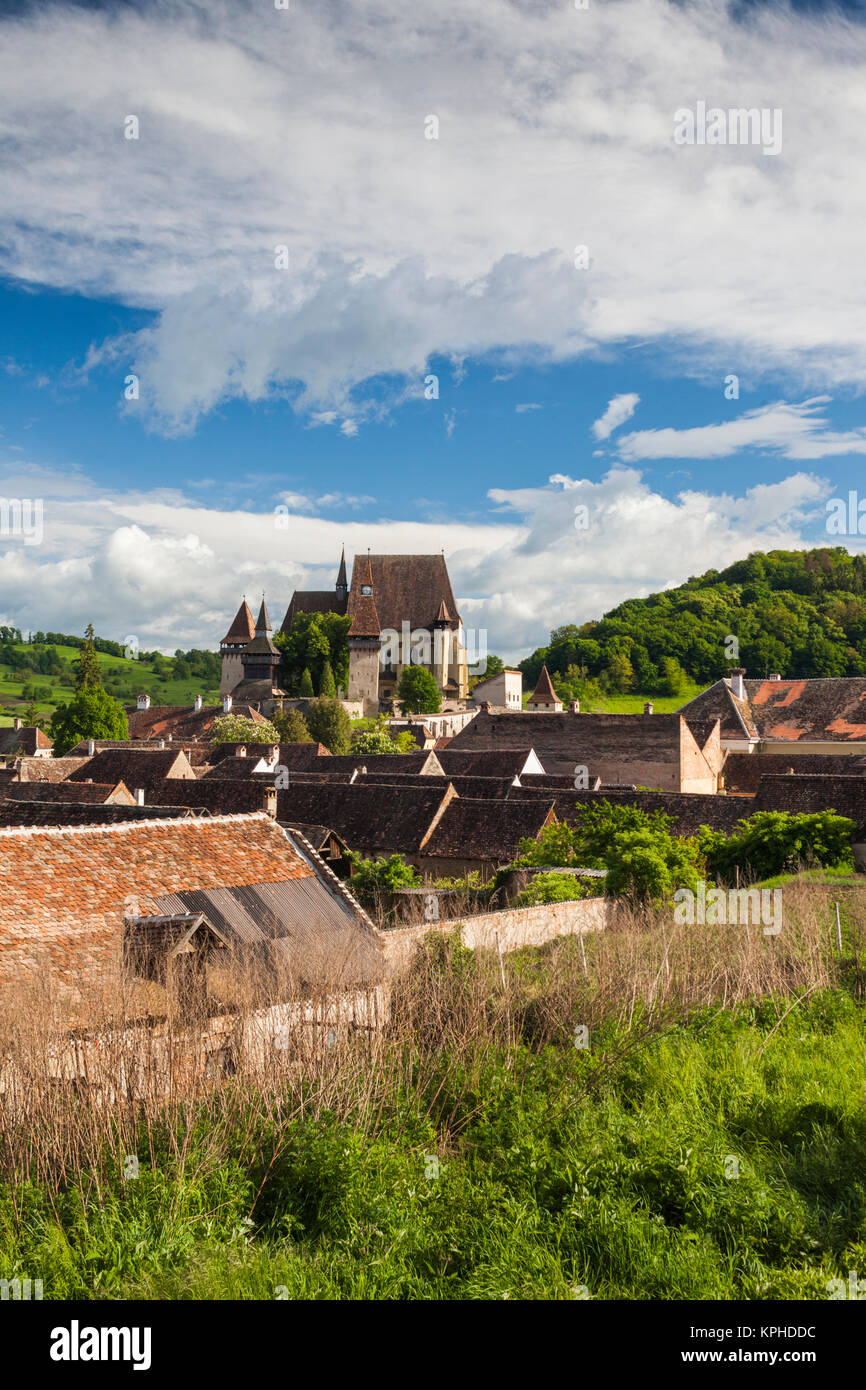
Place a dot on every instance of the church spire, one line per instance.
(263, 622)
(342, 585)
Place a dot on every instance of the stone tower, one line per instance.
(239, 635)
(260, 658)
(363, 639)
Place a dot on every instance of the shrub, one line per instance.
(773, 842)
(553, 888)
(237, 728)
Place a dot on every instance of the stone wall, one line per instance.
(516, 927)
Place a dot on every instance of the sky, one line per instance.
(417, 278)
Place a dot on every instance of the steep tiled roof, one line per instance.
(411, 589)
(48, 769)
(242, 629)
(230, 797)
(823, 710)
(743, 771)
(483, 762)
(298, 755)
(487, 830)
(401, 763)
(362, 607)
(28, 739)
(564, 741)
(544, 693)
(94, 792)
(845, 795)
(183, 722)
(488, 788)
(135, 768)
(228, 769)
(49, 813)
(64, 893)
(312, 601)
(373, 819)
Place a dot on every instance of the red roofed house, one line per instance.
(791, 719)
(77, 904)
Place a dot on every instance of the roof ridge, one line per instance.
(164, 822)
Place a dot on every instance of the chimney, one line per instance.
(227, 703)
(91, 747)
(16, 723)
(271, 801)
(196, 704)
(648, 707)
(160, 743)
(737, 687)
(139, 796)
(143, 701)
(241, 751)
(574, 707)
(774, 676)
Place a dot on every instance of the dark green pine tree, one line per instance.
(88, 676)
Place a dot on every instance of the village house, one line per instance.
(25, 740)
(782, 718)
(666, 751)
(502, 691)
(83, 905)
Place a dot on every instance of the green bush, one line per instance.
(553, 888)
(775, 842)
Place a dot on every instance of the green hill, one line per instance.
(41, 674)
(801, 613)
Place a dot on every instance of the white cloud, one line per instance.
(171, 571)
(349, 429)
(261, 127)
(794, 431)
(620, 409)
(527, 405)
(343, 499)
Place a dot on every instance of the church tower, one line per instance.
(261, 659)
(239, 635)
(342, 587)
(363, 639)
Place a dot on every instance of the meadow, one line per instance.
(650, 1113)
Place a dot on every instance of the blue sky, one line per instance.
(303, 386)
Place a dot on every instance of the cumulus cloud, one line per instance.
(620, 409)
(171, 572)
(304, 128)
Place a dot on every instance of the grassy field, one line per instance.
(633, 703)
(696, 1149)
(124, 679)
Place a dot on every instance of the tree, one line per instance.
(305, 690)
(418, 692)
(327, 685)
(619, 672)
(291, 726)
(774, 842)
(329, 723)
(91, 713)
(313, 639)
(374, 736)
(88, 675)
(237, 728)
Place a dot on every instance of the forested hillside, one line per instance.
(801, 613)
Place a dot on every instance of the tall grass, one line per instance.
(470, 1146)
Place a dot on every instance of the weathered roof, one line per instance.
(94, 792)
(137, 768)
(483, 762)
(487, 788)
(28, 739)
(544, 693)
(565, 741)
(743, 771)
(373, 819)
(363, 608)
(64, 893)
(229, 797)
(799, 794)
(487, 830)
(48, 769)
(183, 722)
(73, 813)
(242, 629)
(426, 762)
(719, 702)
